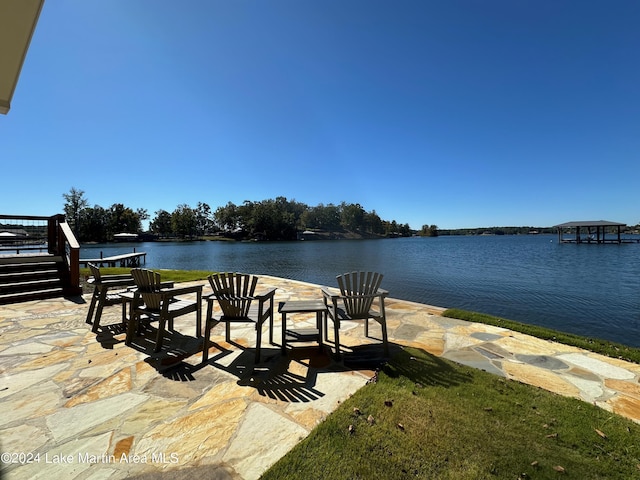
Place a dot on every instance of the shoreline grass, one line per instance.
(427, 417)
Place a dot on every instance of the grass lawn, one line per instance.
(426, 417)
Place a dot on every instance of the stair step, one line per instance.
(33, 295)
(21, 260)
(12, 277)
(28, 267)
(30, 277)
(34, 284)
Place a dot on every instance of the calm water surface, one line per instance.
(590, 290)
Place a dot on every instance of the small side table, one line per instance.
(302, 335)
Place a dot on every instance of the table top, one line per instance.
(301, 306)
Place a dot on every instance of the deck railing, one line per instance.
(28, 235)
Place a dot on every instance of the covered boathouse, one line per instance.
(590, 232)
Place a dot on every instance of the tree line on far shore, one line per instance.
(272, 219)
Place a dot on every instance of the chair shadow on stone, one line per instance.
(274, 376)
(106, 336)
(178, 347)
(425, 369)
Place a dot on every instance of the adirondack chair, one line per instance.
(101, 296)
(360, 298)
(236, 295)
(154, 300)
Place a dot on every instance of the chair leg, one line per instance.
(228, 331)
(336, 334)
(205, 341)
(199, 321)
(258, 341)
(326, 328)
(319, 322)
(366, 327)
(131, 327)
(92, 306)
(385, 339)
(160, 335)
(101, 302)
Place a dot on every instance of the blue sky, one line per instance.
(457, 113)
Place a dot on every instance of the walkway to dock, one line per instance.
(124, 260)
(97, 408)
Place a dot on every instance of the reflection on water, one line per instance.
(591, 290)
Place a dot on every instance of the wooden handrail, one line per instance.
(24, 217)
(73, 254)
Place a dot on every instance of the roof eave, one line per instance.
(18, 20)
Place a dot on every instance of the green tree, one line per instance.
(429, 231)
(373, 223)
(391, 227)
(92, 225)
(184, 222)
(204, 220)
(227, 218)
(75, 203)
(161, 224)
(323, 217)
(352, 216)
(123, 220)
(142, 215)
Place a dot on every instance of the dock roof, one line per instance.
(591, 223)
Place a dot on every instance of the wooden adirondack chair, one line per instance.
(360, 298)
(152, 299)
(235, 294)
(101, 296)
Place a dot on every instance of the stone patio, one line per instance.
(83, 405)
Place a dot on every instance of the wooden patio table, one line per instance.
(301, 335)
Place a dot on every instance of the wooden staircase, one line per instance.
(32, 277)
(27, 272)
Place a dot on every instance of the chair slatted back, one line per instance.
(358, 290)
(234, 292)
(148, 283)
(95, 272)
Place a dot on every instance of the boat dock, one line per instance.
(592, 232)
(125, 260)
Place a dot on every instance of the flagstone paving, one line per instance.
(77, 404)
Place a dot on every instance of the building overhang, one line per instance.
(18, 20)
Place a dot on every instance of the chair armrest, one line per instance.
(116, 282)
(210, 297)
(266, 295)
(173, 292)
(328, 294)
(123, 276)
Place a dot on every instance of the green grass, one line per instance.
(434, 419)
(603, 347)
(166, 275)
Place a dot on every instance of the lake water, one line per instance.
(590, 290)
